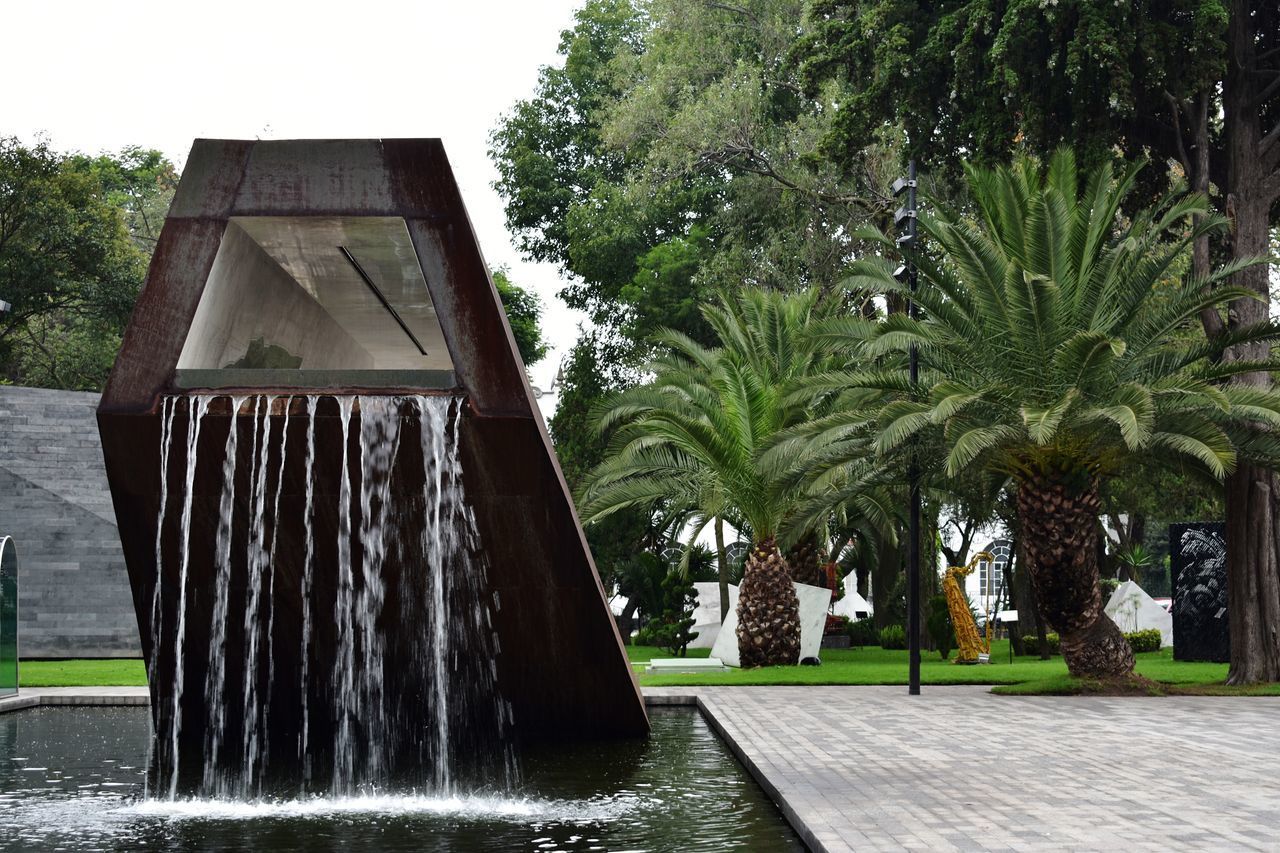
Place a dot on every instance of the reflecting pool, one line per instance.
(72, 779)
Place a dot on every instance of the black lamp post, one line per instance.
(907, 213)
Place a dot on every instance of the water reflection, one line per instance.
(72, 779)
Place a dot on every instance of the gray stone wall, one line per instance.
(74, 596)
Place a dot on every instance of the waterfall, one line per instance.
(308, 560)
(168, 407)
(271, 587)
(215, 679)
(195, 414)
(403, 689)
(344, 661)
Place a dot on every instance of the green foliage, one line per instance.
(1094, 74)
(620, 542)
(75, 235)
(1107, 586)
(863, 633)
(1147, 640)
(694, 439)
(524, 311)
(1032, 643)
(1046, 345)
(893, 637)
(66, 350)
(672, 630)
(668, 158)
(938, 624)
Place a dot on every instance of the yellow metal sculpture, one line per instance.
(969, 643)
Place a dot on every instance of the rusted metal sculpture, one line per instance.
(253, 218)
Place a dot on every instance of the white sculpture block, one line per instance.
(814, 601)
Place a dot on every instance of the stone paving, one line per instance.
(871, 768)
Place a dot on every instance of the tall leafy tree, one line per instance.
(696, 438)
(74, 241)
(626, 544)
(524, 310)
(1195, 83)
(1048, 357)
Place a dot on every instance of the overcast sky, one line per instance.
(97, 76)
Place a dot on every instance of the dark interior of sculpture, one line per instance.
(355, 563)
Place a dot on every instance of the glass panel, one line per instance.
(8, 617)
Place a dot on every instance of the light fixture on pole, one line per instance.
(907, 240)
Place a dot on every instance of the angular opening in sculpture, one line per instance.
(310, 301)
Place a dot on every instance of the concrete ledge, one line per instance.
(658, 700)
(36, 697)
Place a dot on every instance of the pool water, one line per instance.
(72, 779)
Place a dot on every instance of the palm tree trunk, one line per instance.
(802, 560)
(1060, 531)
(768, 610)
(722, 569)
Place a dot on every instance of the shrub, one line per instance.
(1144, 641)
(836, 624)
(1032, 643)
(893, 637)
(939, 624)
(863, 633)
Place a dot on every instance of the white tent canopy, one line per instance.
(852, 605)
(1133, 610)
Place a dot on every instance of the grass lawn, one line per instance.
(868, 665)
(128, 672)
(874, 665)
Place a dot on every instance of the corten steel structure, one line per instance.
(350, 267)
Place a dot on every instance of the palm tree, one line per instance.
(1056, 350)
(695, 440)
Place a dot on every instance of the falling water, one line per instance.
(196, 411)
(405, 694)
(167, 409)
(304, 755)
(271, 587)
(215, 681)
(345, 700)
(252, 708)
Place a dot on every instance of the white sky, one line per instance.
(96, 76)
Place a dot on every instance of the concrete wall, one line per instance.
(249, 296)
(74, 596)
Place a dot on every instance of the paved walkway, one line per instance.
(870, 768)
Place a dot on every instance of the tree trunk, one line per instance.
(1012, 572)
(768, 610)
(722, 569)
(1253, 549)
(1029, 618)
(862, 574)
(1060, 528)
(1253, 593)
(626, 620)
(802, 560)
(884, 581)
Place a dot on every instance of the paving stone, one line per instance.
(871, 768)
